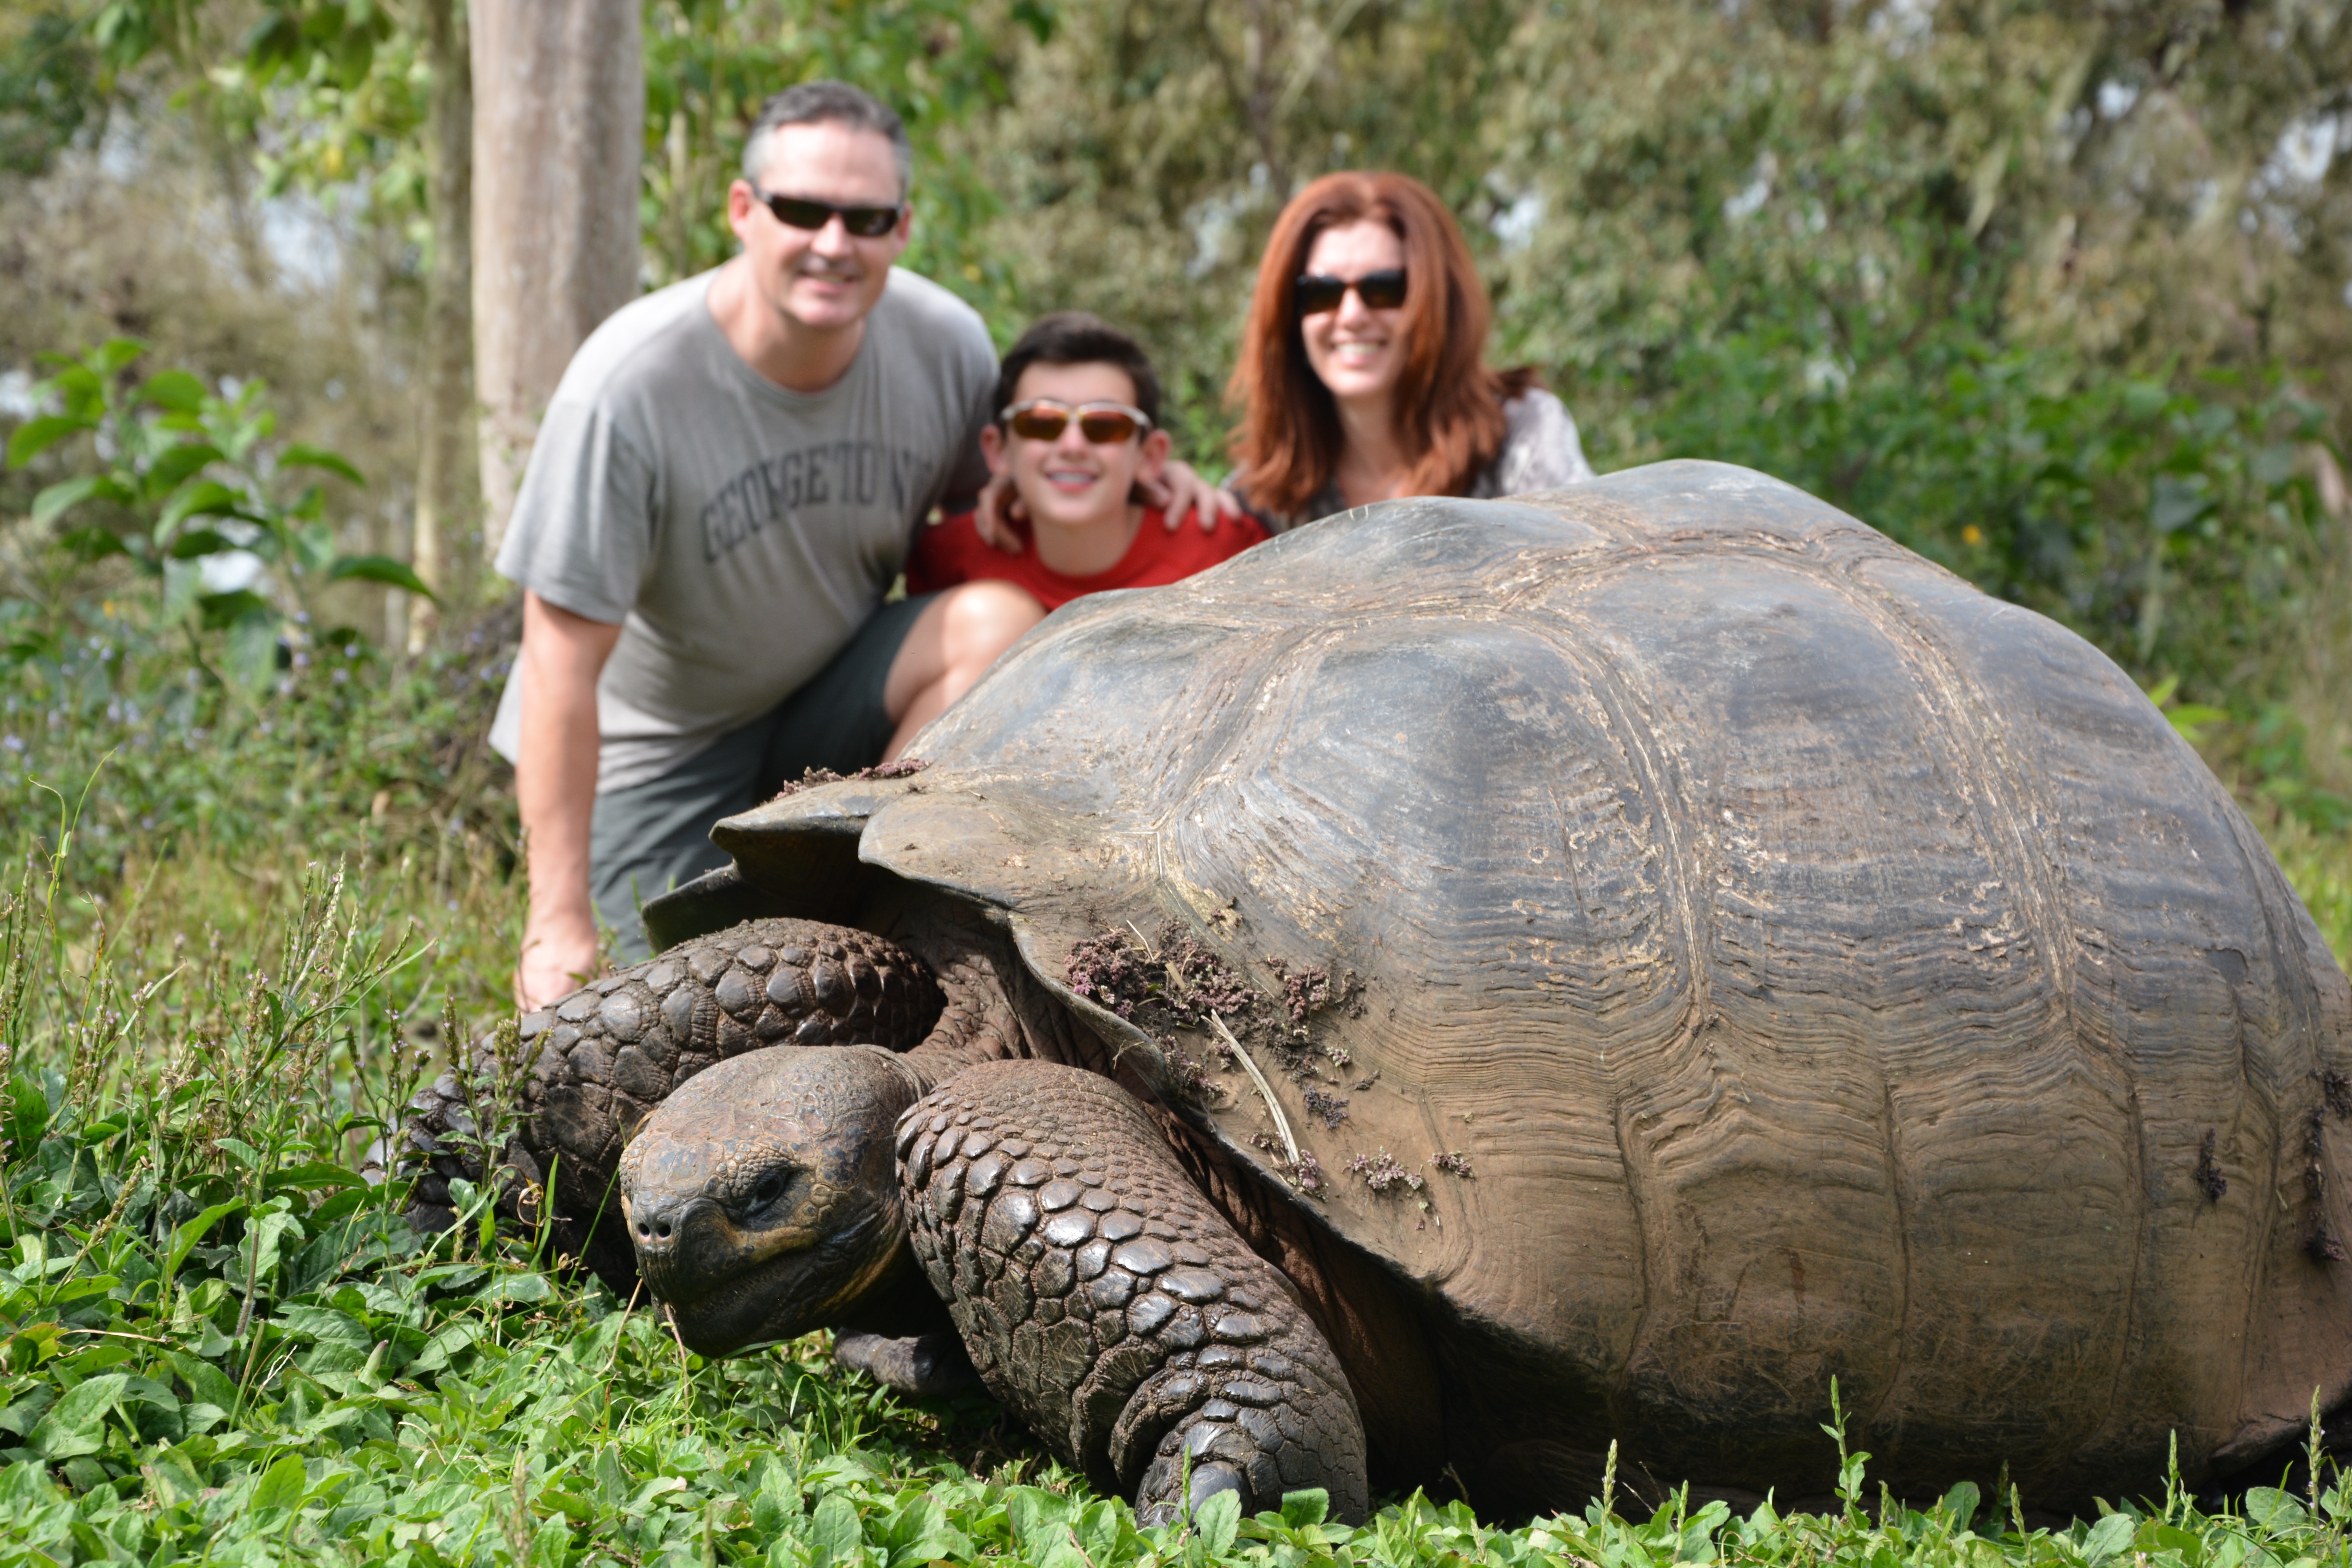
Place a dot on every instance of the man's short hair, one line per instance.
(1073, 337)
(826, 103)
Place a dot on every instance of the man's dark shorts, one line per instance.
(649, 837)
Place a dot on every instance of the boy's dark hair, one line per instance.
(827, 103)
(1073, 337)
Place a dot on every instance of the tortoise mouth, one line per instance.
(754, 1307)
(726, 1286)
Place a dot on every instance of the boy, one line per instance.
(1076, 428)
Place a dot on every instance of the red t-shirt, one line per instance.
(952, 552)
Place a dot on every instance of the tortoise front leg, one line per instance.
(1108, 1302)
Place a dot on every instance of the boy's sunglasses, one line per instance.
(1320, 291)
(1104, 423)
(800, 212)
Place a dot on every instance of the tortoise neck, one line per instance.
(900, 1304)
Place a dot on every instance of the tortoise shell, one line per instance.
(1772, 959)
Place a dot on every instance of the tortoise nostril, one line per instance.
(661, 1229)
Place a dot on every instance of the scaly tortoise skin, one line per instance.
(1753, 956)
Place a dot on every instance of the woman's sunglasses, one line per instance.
(800, 212)
(1104, 423)
(1320, 291)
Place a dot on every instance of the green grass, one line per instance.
(243, 926)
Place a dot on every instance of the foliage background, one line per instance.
(2054, 291)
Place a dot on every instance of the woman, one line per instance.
(1362, 374)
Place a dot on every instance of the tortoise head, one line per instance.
(763, 1195)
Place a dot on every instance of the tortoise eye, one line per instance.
(770, 1188)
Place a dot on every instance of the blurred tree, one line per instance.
(559, 112)
(352, 92)
(50, 86)
(445, 500)
(710, 64)
(370, 92)
(2012, 278)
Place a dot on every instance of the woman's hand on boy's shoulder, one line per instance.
(1186, 492)
(1181, 491)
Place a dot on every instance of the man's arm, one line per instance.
(555, 785)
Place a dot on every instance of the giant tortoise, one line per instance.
(1468, 983)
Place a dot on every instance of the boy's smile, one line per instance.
(1078, 491)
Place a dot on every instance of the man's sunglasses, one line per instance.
(1320, 291)
(800, 212)
(1104, 423)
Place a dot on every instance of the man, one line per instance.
(722, 490)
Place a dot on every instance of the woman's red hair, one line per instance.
(1449, 404)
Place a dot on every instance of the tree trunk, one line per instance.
(559, 129)
(444, 430)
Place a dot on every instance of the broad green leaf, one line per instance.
(920, 1532)
(116, 352)
(281, 1485)
(206, 498)
(1038, 1518)
(380, 569)
(102, 1130)
(314, 546)
(245, 1154)
(82, 1289)
(659, 1487)
(1959, 1505)
(327, 1326)
(302, 456)
(194, 543)
(451, 1341)
(551, 1544)
(1217, 1521)
(96, 544)
(834, 1531)
(521, 1287)
(2191, 719)
(2272, 1509)
(61, 498)
(204, 1380)
(268, 1238)
(312, 1175)
(178, 465)
(1311, 1506)
(252, 644)
(75, 1424)
(173, 389)
(184, 1239)
(2109, 1536)
(28, 1115)
(38, 434)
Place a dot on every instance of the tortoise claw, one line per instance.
(1209, 1478)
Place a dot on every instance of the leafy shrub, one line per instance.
(188, 488)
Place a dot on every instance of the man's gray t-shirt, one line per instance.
(739, 532)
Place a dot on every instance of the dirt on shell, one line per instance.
(904, 768)
(1179, 982)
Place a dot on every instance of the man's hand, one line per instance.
(555, 785)
(1180, 489)
(560, 953)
